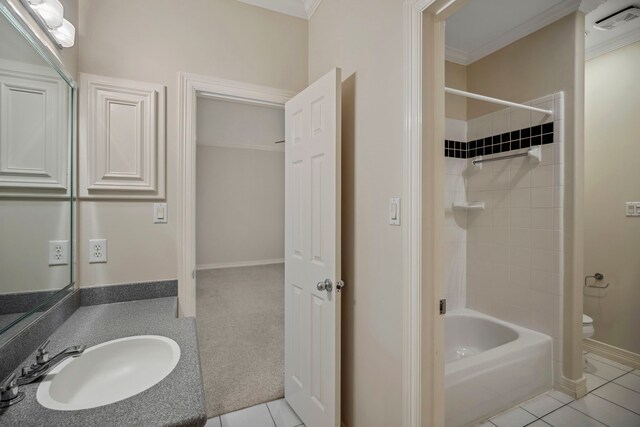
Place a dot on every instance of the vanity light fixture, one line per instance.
(49, 14)
(65, 34)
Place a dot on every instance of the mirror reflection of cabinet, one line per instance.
(36, 205)
(33, 129)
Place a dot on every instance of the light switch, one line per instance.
(160, 213)
(394, 211)
(633, 209)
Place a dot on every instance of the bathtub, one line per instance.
(491, 365)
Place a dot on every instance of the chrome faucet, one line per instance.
(44, 363)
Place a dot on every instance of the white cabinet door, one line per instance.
(312, 252)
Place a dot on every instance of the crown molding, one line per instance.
(541, 20)
(299, 8)
(311, 6)
(458, 56)
(610, 45)
(587, 6)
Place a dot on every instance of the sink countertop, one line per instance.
(177, 400)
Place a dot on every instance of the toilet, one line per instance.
(587, 326)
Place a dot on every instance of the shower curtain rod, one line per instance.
(495, 100)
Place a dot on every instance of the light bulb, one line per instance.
(65, 34)
(51, 12)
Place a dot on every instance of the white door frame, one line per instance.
(423, 185)
(190, 86)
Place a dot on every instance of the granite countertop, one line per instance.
(177, 400)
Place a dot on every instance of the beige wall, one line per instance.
(612, 177)
(364, 38)
(455, 76)
(152, 41)
(239, 183)
(533, 66)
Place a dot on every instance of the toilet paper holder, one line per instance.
(598, 277)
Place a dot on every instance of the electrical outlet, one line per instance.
(58, 252)
(97, 250)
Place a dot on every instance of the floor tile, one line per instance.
(620, 395)
(282, 414)
(569, 417)
(539, 423)
(610, 362)
(629, 381)
(541, 405)
(255, 416)
(213, 422)
(516, 417)
(606, 412)
(636, 372)
(558, 395)
(601, 369)
(593, 382)
(487, 424)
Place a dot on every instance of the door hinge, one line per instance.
(443, 306)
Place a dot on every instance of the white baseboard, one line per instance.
(576, 389)
(239, 264)
(611, 352)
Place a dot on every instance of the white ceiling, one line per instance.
(298, 8)
(600, 42)
(483, 27)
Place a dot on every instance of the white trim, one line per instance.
(587, 6)
(539, 21)
(279, 149)
(412, 214)
(622, 40)
(577, 389)
(616, 354)
(218, 265)
(303, 9)
(457, 56)
(190, 85)
(311, 6)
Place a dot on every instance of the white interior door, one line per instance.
(312, 252)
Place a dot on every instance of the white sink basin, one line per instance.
(109, 372)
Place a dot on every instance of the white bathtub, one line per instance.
(491, 365)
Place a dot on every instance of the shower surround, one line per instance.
(506, 260)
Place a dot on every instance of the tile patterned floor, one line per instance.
(272, 414)
(613, 400)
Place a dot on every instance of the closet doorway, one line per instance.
(240, 252)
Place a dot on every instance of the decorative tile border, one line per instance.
(508, 141)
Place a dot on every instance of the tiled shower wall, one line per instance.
(455, 221)
(514, 247)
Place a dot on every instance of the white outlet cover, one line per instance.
(58, 252)
(97, 250)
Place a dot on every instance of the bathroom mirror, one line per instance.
(36, 204)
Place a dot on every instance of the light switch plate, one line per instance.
(58, 252)
(632, 208)
(160, 213)
(394, 211)
(97, 250)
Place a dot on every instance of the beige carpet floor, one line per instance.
(240, 321)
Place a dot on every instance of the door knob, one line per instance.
(327, 285)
